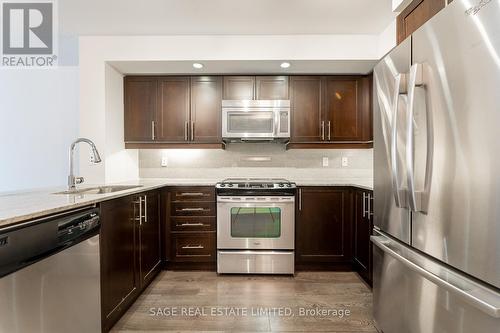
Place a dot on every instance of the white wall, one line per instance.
(120, 164)
(38, 121)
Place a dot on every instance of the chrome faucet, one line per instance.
(95, 158)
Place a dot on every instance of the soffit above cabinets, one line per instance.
(244, 67)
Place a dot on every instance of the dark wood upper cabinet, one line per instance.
(271, 87)
(140, 108)
(177, 112)
(149, 238)
(173, 109)
(119, 281)
(239, 87)
(206, 97)
(415, 15)
(323, 226)
(306, 111)
(347, 109)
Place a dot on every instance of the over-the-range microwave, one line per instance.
(254, 120)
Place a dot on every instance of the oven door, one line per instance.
(261, 222)
(249, 123)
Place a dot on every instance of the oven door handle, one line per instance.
(268, 200)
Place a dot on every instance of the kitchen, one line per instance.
(254, 181)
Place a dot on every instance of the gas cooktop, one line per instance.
(255, 183)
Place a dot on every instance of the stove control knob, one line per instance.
(289, 185)
(230, 185)
(282, 185)
(222, 185)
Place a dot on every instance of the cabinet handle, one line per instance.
(192, 224)
(300, 199)
(192, 131)
(200, 209)
(193, 247)
(370, 214)
(322, 130)
(190, 194)
(364, 204)
(145, 208)
(186, 129)
(153, 130)
(139, 217)
(329, 138)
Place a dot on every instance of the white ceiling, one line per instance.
(269, 17)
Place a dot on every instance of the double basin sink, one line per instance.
(100, 189)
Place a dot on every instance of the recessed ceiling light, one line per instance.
(197, 65)
(285, 65)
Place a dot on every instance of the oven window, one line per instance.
(250, 122)
(256, 222)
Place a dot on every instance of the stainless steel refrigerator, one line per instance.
(437, 176)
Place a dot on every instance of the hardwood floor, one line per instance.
(205, 302)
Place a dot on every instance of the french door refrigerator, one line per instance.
(437, 176)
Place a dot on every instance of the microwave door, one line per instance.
(248, 124)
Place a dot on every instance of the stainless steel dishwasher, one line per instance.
(49, 274)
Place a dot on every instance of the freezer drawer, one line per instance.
(414, 294)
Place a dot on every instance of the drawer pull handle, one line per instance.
(192, 194)
(200, 209)
(191, 224)
(193, 247)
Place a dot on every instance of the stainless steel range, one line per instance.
(255, 226)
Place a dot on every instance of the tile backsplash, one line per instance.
(252, 160)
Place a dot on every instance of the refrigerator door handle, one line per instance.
(475, 294)
(399, 89)
(415, 79)
(418, 199)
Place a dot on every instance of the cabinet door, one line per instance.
(239, 87)
(206, 96)
(271, 87)
(415, 15)
(140, 108)
(362, 231)
(323, 225)
(342, 113)
(173, 109)
(150, 235)
(306, 116)
(119, 282)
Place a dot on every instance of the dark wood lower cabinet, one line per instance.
(323, 228)
(130, 252)
(119, 281)
(191, 228)
(362, 229)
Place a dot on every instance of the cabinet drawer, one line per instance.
(191, 247)
(193, 209)
(192, 194)
(192, 223)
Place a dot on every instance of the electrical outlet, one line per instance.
(345, 161)
(325, 161)
(164, 161)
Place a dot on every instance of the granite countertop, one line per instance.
(21, 206)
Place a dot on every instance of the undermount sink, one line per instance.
(100, 189)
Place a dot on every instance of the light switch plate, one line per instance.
(345, 161)
(164, 161)
(325, 161)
